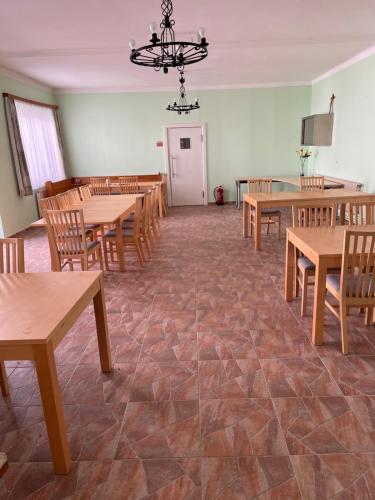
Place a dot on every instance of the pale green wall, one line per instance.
(351, 155)
(249, 132)
(16, 212)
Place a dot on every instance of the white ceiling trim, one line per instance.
(20, 77)
(364, 54)
(194, 88)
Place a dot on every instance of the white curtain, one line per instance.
(40, 143)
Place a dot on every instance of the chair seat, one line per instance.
(270, 211)
(305, 264)
(91, 245)
(90, 227)
(127, 231)
(333, 280)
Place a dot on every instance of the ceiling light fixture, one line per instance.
(182, 106)
(165, 52)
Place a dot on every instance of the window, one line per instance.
(35, 140)
(40, 143)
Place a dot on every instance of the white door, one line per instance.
(186, 165)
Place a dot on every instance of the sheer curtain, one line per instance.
(40, 141)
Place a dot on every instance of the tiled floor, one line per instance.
(217, 392)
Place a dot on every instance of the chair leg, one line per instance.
(268, 225)
(304, 293)
(139, 254)
(344, 329)
(296, 271)
(279, 227)
(141, 250)
(147, 246)
(105, 252)
(3, 380)
(100, 258)
(251, 221)
(369, 315)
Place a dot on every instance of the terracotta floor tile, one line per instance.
(321, 425)
(161, 429)
(298, 377)
(164, 344)
(239, 378)
(229, 344)
(172, 380)
(354, 374)
(271, 343)
(334, 475)
(235, 427)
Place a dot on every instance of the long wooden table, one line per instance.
(324, 247)
(143, 187)
(259, 201)
(37, 310)
(292, 180)
(103, 210)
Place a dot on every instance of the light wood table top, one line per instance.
(324, 247)
(37, 310)
(33, 305)
(289, 198)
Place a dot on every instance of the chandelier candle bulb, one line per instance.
(153, 27)
(132, 44)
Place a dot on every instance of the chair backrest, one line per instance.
(314, 216)
(64, 201)
(74, 196)
(67, 230)
(12, 255)
(128, 185)
(313, 183)
(357, 268)
(361, 213)
(85, 192)
(100, 186)
(49, 203)
(262, 185)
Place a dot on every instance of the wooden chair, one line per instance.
(309, 216)
(128, 185)
(49, 203)
(11, 261)
(313, 183)
(63, 201)
(131, 237)
(361, 213)
(164, 190)
(85, 192)
(100, 186)
(67, 232)
(154, 211)
(263, 185)
(74, 196)
(355, 287)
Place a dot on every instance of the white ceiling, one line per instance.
(83, 44)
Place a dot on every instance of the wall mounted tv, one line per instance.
(317, 130)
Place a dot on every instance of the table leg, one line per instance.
(245, 219)
(120, 246)
(102, 330)
(258, 228)
(289, 270)
(53, 413)
(319, 303)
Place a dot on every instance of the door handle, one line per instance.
(173, 159)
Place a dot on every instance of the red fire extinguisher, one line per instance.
(219, 195)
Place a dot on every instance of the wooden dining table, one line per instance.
(102, 210)
(260, 201)
(37, 310)
(324, 247)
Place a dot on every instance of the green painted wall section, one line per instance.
(16, 212)
(249, 132)
(351, 155)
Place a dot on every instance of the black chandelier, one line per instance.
(182, 106)
(165, 52)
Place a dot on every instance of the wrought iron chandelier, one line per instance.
(165, 52)
(182, 106)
